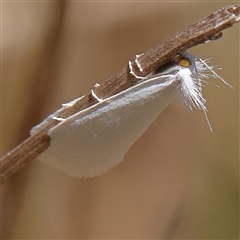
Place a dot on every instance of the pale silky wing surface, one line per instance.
(51, 117)
(96, 139)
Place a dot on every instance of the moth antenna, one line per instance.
(208, 122)
(211, 70)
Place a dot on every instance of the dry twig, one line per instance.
(207, 29)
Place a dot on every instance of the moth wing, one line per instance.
(94, 140)
(51, 117)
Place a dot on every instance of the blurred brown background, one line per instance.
(178, 180)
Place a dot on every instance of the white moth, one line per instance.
(96, 139)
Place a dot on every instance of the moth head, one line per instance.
(184, 62)
(193, 73)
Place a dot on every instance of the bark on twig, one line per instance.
(207, 29)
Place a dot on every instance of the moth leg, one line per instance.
(96, 85)
(132, 72)
(59, 119)
(95, 96)
(67, 104)
(137, 62)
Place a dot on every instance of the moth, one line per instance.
(182, 77)
(96, 139)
